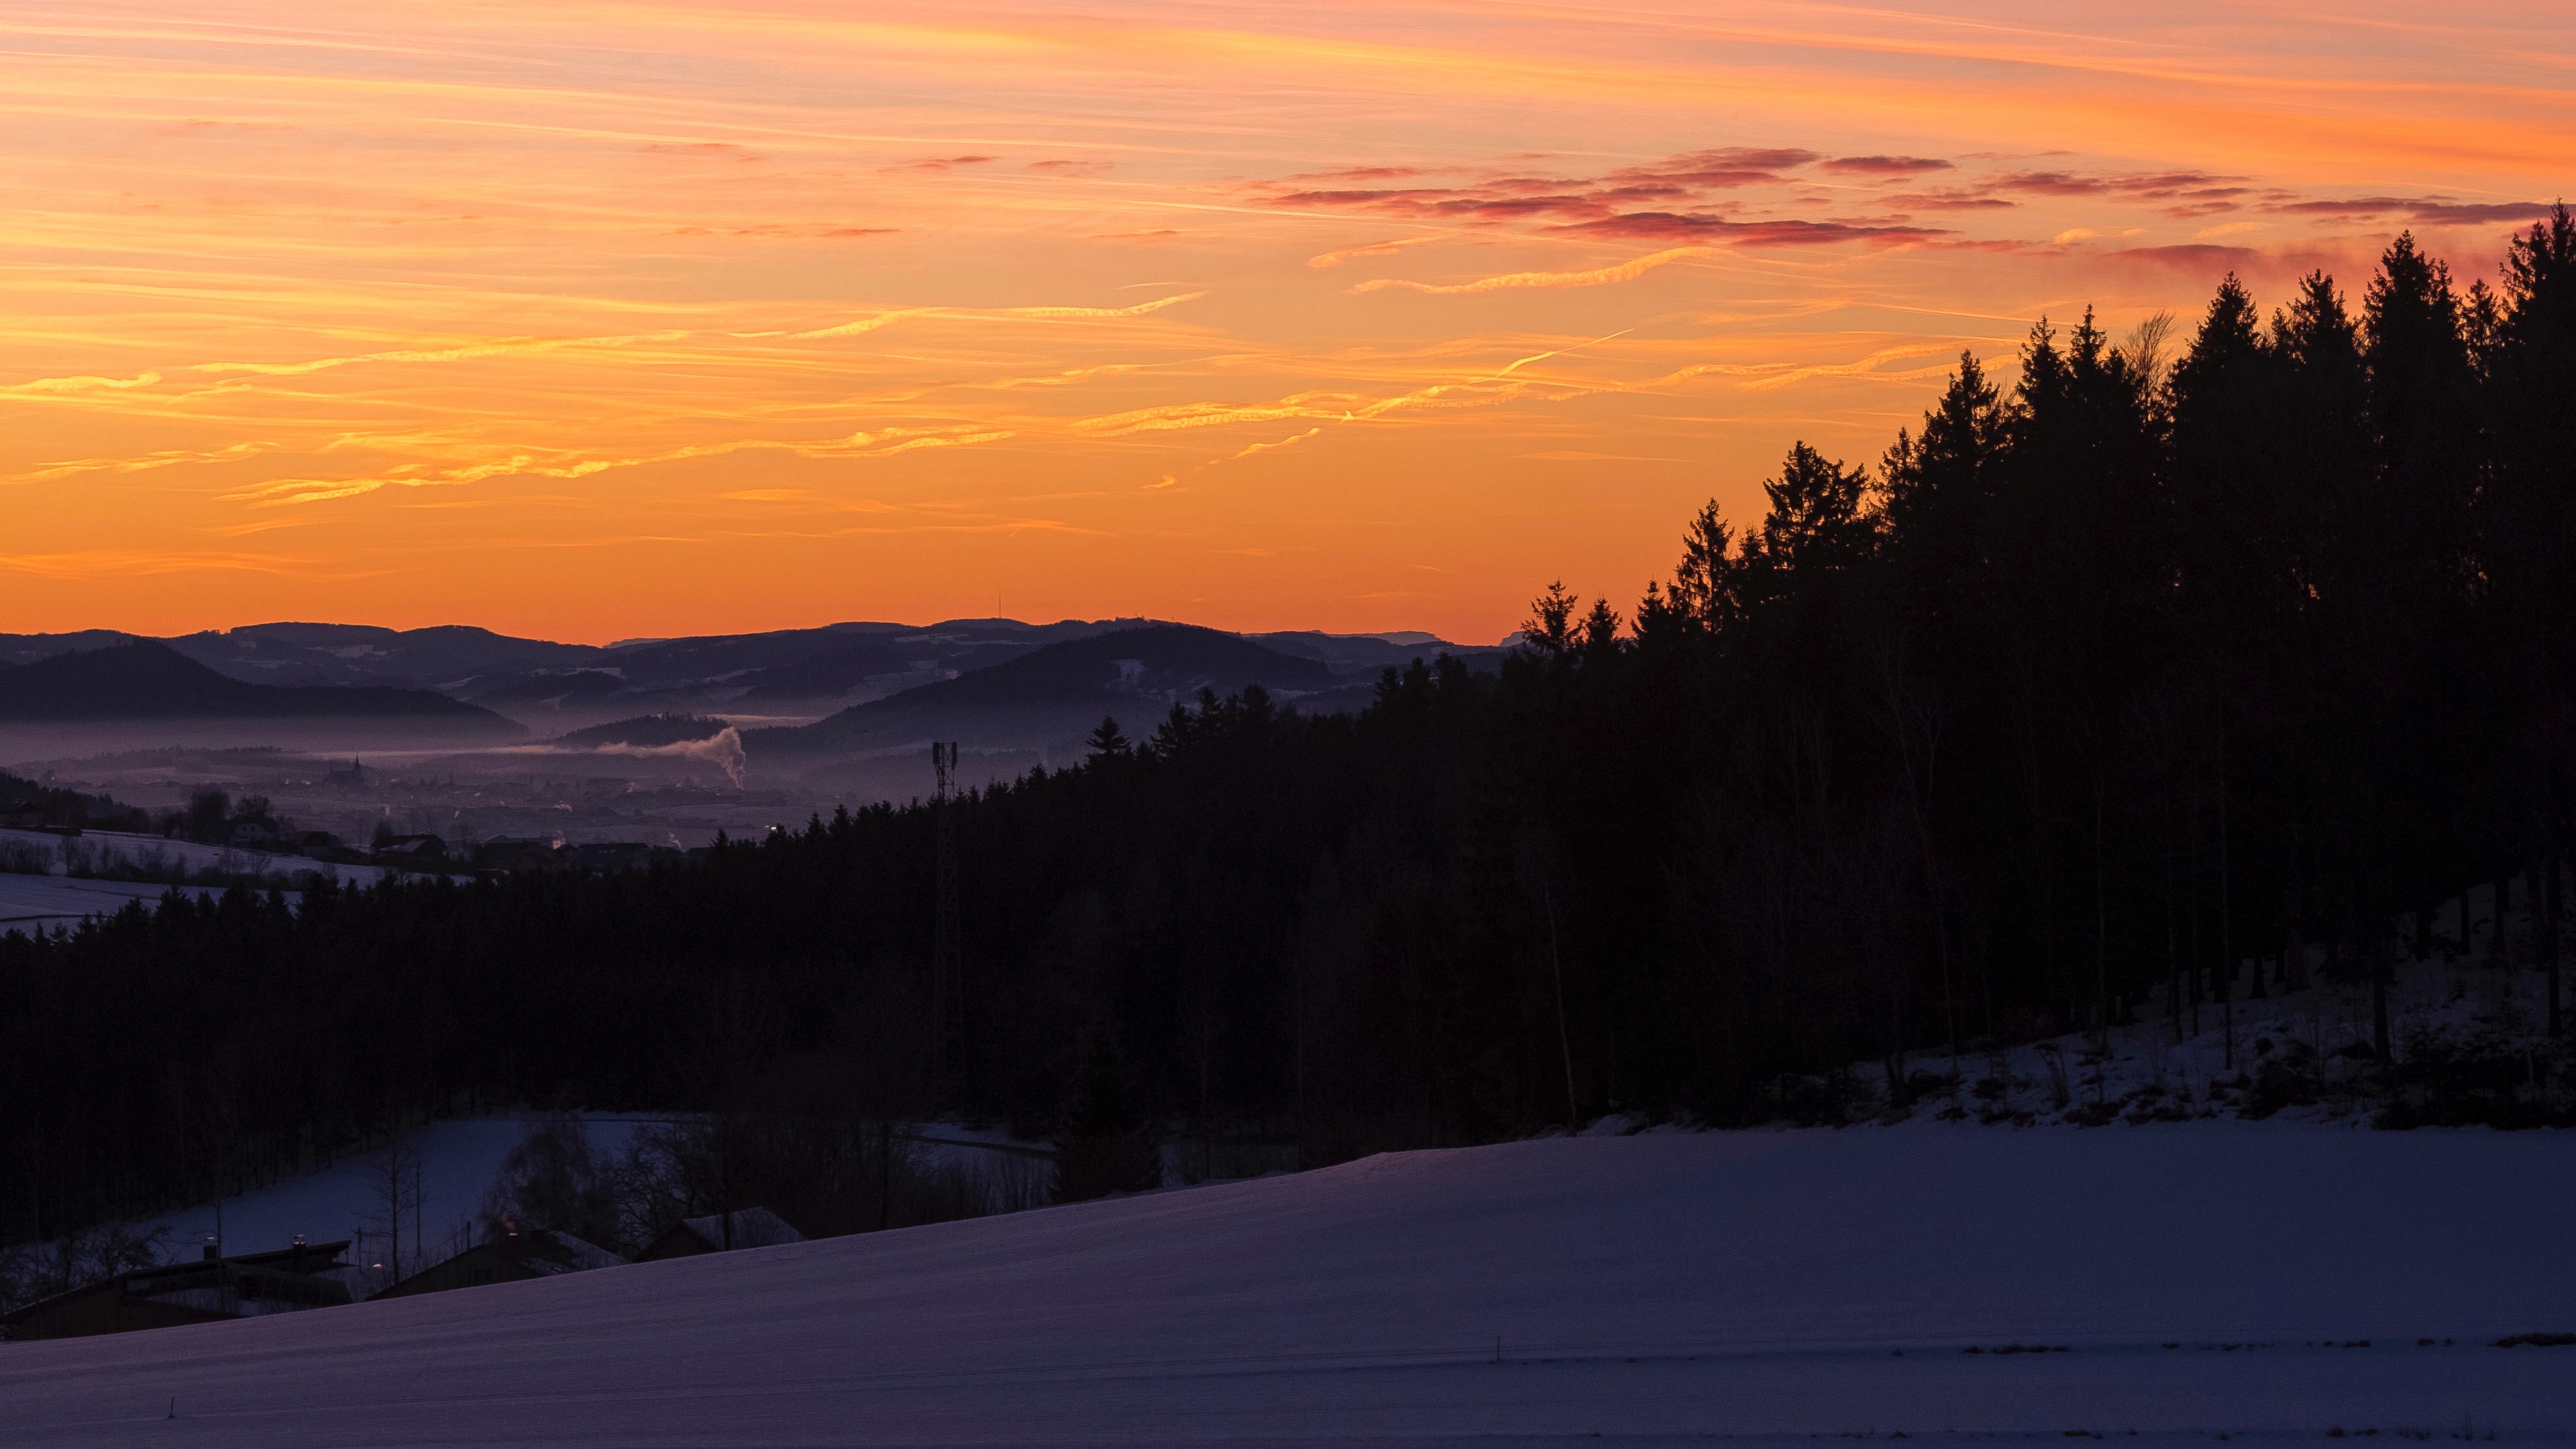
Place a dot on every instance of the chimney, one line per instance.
(214, 1250)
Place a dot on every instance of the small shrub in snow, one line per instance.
(2278, 1084)
(2492, 1072)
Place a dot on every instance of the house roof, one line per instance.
(752, 1228)
(538, 1251)
(541, 1250)
(295, 1258)
(303, 1260)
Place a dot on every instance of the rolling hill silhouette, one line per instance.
(148, 680)
(1059, 691)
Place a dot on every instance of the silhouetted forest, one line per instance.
(2168, 657)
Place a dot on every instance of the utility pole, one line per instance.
(948, 957)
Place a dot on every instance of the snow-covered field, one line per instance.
(2179, 1282)
(103, 845)
(34, 903)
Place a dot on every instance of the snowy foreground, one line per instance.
(2201, 1280)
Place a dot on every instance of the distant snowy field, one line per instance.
(2202, 1280)
(33, 903)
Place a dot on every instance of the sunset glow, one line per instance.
(600, 320)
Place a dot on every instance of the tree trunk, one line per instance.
(2191, 926)
(2226, 936)
(1564, 1039)
(2101, 928)
(2379, 1004)
(2550, 888)
(2173, 961)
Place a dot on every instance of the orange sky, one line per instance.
(601, 320)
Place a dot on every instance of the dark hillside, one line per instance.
(148, 680)
(28, 648)
(1366, 654)
(1137, 674)
(360, 654)
(55, 807)
(828, 675)
(730, 656)
(546, 688)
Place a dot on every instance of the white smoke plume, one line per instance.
(723, 749)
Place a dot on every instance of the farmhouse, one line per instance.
(749, 1228)
(208, 1290)
(507, 1255)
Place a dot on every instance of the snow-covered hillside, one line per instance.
(2217, 1279)
(2300, 1056)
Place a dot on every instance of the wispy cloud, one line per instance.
(1882, 165)
(115, 563)
(1627, 271)
(1367, 249)
(1289, 441)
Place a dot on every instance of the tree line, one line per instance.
(2180, 670)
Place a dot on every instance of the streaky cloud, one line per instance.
(1627, 271)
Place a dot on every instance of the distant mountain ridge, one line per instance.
(851, 688)
(144, 679)
(790, 672)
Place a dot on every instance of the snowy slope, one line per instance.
(1645, 1289)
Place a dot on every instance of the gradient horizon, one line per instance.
(589, 321)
